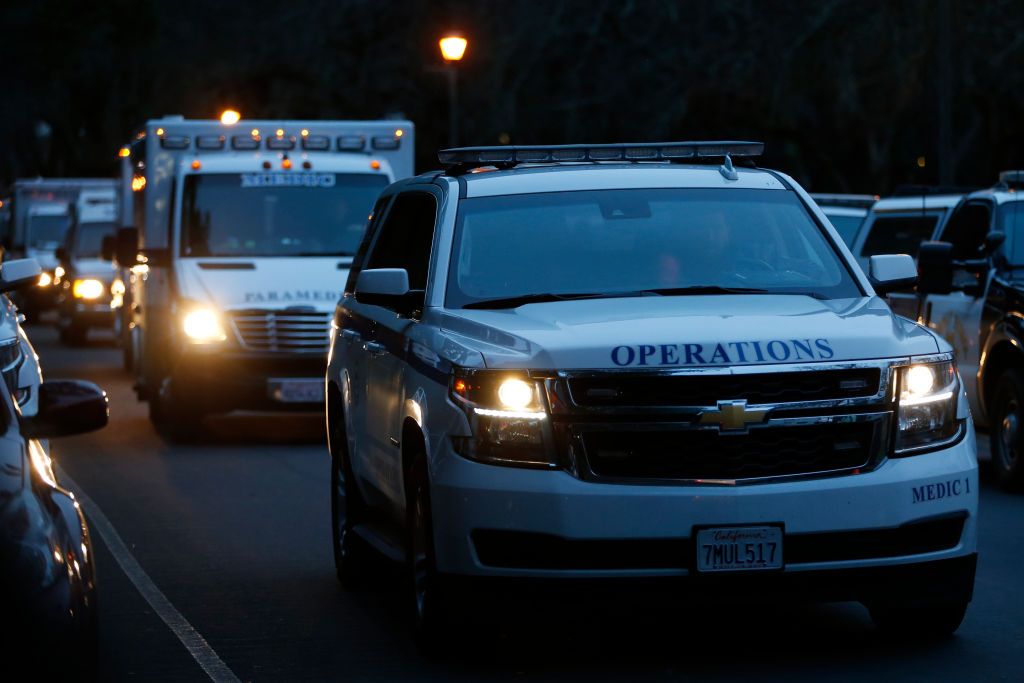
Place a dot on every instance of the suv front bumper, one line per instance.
(897, 524)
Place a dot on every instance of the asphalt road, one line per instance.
(235, 533)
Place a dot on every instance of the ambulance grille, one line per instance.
(288, 331)
(707, 455)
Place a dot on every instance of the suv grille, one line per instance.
(705, 390)
(296, 331)
(695, 454)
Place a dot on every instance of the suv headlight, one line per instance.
(89, 288)
(928, 395)
(508, 416)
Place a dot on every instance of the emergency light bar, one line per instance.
(680, 152)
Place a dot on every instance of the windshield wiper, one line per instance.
(523, 299)
(696, 290)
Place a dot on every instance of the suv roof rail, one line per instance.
(459, 160)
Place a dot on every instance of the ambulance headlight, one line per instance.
(87, 289)
(203, 326)
(928, 395)
(508, 416)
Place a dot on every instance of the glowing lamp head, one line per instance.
(286, 163)
(45, 279)
(230, 117)
(87, 289)
(124, 152)
(453, 48)
(515, 394)
(196, 165)
(920, 380)
(203, 325)
(374, 164)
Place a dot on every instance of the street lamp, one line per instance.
(453, 47)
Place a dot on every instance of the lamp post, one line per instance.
(453, 47)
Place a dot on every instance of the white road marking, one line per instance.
(193, 641)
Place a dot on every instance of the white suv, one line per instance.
(635, 361)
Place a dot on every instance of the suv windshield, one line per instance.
(276, 214)
(47, 231)
(89, 239)
(637, 242)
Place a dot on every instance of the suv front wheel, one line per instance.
(1007, 433)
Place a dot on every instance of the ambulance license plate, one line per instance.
(296, 390)
(739, 548)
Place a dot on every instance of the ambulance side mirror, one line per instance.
(892, 272)
(108, 248)
(935, 268)
(127, 251)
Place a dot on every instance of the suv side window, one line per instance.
(898, 234)
(371, 229)
(406, 236)
(967, 229)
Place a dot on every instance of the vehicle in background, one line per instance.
(243, 235)
(972, 293)
(648, 362)
(846, 212)
(47, 571)
(86, 281)
(19, 363)
(898, 225)
(39, 221)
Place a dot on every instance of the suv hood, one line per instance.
(694, 331)
(264, 283)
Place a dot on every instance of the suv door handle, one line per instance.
(375, 348)
(350, 335)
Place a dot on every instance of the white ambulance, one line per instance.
(240, 241)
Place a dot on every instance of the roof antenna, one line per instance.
(727, 170)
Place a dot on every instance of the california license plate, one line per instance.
(739, 548)
(298, 390)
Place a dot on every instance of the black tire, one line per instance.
(431, 609)
(1007, 431)
(351, 553)
(176, 420)
(925, 622)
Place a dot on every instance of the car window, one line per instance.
(966, 230)
(623, 241)
(846, 226)
(899, 234)
(406, 236)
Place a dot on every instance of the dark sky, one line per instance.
(846, 93)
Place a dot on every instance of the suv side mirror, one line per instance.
(388, 287)
(892, 272)
(66, 407)
(127, 251)
(935, 268)
(993, 241)
(108, 248)
(18, 273)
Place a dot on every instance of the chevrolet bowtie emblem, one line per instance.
(732, 416)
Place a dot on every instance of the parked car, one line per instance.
(898, 225)
(846, 212)
(47, 573)
(19, 363)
